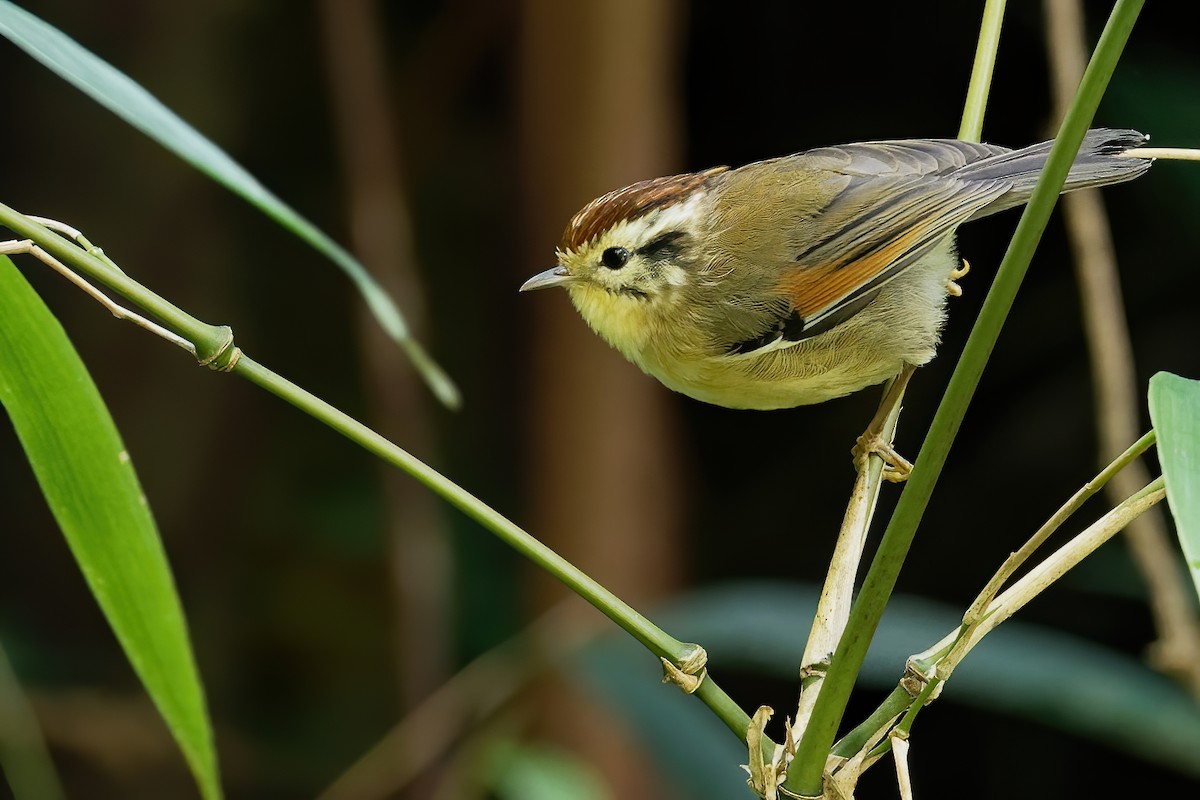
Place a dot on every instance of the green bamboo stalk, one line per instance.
(805, 774)
(971, 127)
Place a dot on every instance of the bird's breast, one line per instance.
(624, 320)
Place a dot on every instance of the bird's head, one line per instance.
(626, 257)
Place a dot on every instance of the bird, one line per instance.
(799, 279)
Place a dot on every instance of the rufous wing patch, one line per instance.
(815, 290)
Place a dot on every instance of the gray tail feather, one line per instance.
(1098, 163)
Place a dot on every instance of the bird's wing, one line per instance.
(880, 207)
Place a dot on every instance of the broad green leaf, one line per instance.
(89, 484)
(120, 94)
(1175, 412)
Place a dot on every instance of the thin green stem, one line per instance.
(892, 706)
(1014, 561)
(805, 774)
(208, 339)
(925, 663)
(724, 707)
(971, 127)
(1048, 571)
(904, 726)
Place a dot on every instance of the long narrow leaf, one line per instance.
(118, 93)
(1175, 412)
(89, 483)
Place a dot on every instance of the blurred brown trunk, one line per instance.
(604, 449)
(381, 234)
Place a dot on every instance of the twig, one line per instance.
(1165, 153)
(27, 247)
(833, 607)
(931, 668)
(900, 754)
(1014, 561)
(1053, 568)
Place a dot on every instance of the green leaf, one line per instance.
(1175, 412)
(118, 93)
(526, 772)
(683, 738)
(89, 483)
(24, 759)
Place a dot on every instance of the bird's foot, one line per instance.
(952, 282)
(896, 468)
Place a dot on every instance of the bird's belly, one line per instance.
(900, 326)
(781, 379)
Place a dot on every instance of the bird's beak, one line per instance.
(556, 276)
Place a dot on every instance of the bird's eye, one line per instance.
(614, 257)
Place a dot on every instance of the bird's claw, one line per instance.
(896, 468)
(952, 282)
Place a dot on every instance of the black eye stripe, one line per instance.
(662, 246)
(615, 257)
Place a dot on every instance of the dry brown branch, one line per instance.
(837, 594)
(1177, 651)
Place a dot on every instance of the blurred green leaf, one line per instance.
(687, 742)
(1175, 412)
(24, 760)
(1019, 669)
(118, 93)
(1157, 94)
(524, 772)
(89, 483)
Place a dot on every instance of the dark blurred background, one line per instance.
(447, 143)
